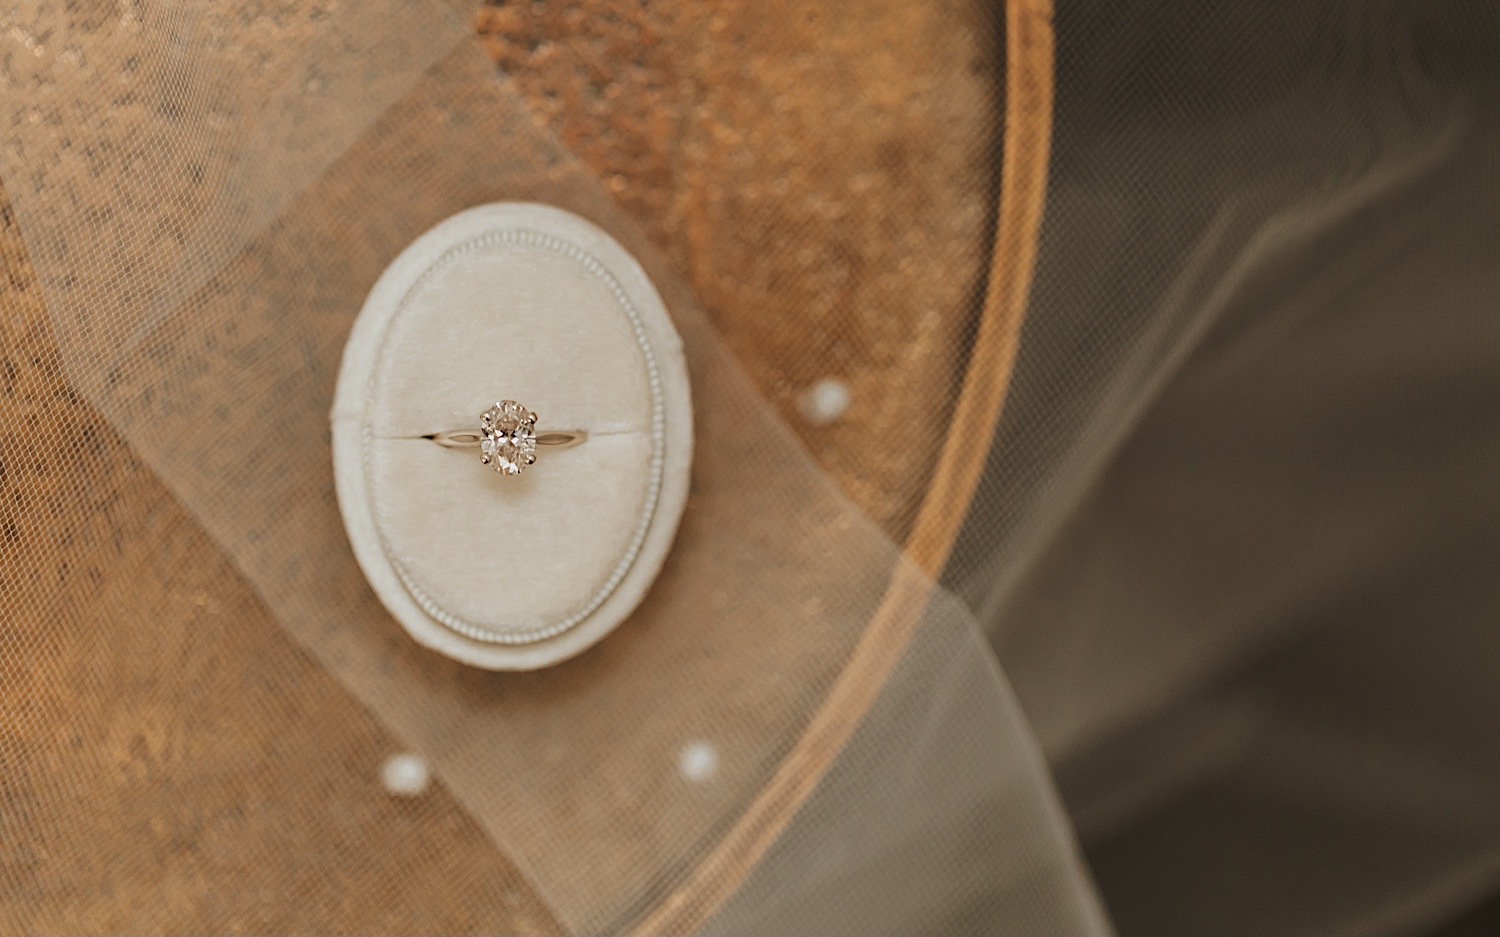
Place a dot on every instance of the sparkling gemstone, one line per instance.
(507, 437)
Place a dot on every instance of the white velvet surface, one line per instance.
(521, 322)
(455, 324)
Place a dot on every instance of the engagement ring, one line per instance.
(508, 438)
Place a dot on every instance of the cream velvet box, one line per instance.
(531, 303)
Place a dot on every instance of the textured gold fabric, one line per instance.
(803, 289)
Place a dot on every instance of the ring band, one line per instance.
(469, 438)
(508, 438)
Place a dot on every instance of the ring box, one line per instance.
(531, 303)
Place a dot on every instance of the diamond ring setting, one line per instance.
(508, 438)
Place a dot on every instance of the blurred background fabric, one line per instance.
(1203, 640)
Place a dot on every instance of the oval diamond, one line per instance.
(507, 437)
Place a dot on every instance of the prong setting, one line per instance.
(507, 437)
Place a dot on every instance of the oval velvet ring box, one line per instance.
(526, 303)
